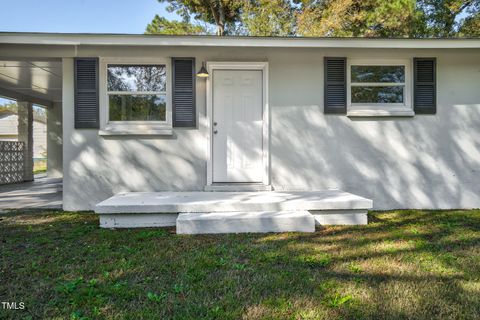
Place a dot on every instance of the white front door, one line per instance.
(237, 126)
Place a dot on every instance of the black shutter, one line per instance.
(425, 85)
(86, 93)
(335, 95)
(184, 111)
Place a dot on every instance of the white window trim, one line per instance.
(133, 127)
(380, 109)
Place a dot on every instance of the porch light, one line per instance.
(203, 73)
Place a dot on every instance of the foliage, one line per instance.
(392, 18)
(11, 108)
(470, 27)
(8, 109)
(331, 18)
(161, 25)
(268, 18)
(224, 14)
(444, 17)
(402, 265)
(239, 17)
(355, 18)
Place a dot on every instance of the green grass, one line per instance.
(40, 166)
(403, 265)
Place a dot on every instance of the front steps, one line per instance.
(197, 201)
(138, 220)
(241, 222)
(233, 212)
(234, 187)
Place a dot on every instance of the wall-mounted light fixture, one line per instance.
(203, 73)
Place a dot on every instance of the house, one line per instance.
(9, 132)
(392, 120)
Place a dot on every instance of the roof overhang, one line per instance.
(64, 39)
(37, 81)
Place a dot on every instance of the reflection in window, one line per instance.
(378, 74)
(378, 84)
(137, 107)
(136, 92)
(364, 94)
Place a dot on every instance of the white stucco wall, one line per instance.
(428, 161)
(54, 141)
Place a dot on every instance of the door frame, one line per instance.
(230, 65)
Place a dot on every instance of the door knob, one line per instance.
(215, 123)
(215, 131)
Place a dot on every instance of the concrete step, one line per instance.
(242, 222)
(174, 202)
(238, 187)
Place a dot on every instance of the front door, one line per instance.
(237, 126)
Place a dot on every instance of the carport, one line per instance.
(31, 81)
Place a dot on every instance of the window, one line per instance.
(379, 88)
(136, 92)
(135, 96)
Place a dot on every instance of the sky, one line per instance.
(88, 16)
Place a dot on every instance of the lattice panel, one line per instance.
(12, 158)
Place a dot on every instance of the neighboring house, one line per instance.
(396, 121)
(9, 131)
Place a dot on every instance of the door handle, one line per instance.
(215, 131)
(215, 123)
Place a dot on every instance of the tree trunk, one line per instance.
(220, 30)
(221, 22)
(218, 15)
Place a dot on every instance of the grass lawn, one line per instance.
(40, 166)
(404, 264)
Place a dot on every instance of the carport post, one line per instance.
(25, 134)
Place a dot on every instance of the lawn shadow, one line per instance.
(404, 264)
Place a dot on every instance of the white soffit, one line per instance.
(31, 79)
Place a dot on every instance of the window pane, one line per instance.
(366, 94)
(136, 78)
(137, 107)
(378, 74)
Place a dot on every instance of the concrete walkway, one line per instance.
(43, 193)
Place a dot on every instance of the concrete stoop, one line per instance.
(234, 212)
(241, 222)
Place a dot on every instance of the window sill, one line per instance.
(404, 112)
(136, 132)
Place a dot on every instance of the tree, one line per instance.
(389, 18)
(329, 18)
(357, 18)
(224, 14)
(161, 25)
(444, 17)
(470, 27)
(8, 109)
(268, 18)
(11, 108)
